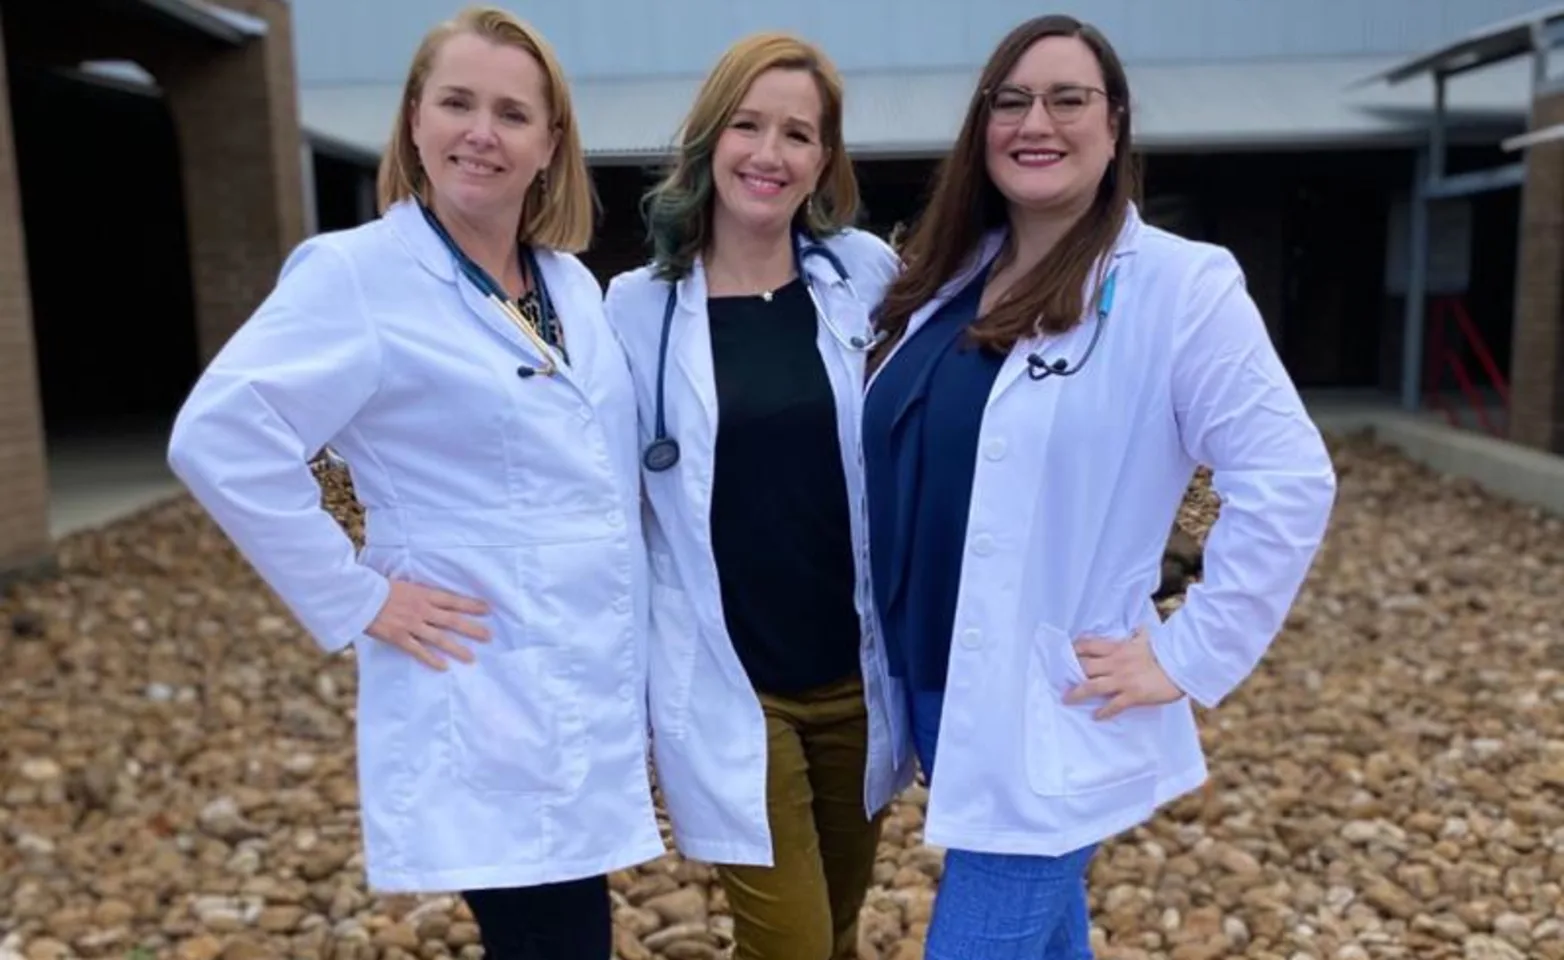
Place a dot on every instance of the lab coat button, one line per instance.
(615, 518)
(585, 412)
(995, 449)
(983, 545)
(626, 691)
(972, 638)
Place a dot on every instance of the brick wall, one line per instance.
(236, 115)
(24, 498)
(1537, 368)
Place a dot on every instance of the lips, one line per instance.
(1037, 158)
(481, 168)
(765, 186)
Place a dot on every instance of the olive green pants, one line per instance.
(805, 906)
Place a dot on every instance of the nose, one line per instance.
(1037, 122)
(481, 131)
(768, 150)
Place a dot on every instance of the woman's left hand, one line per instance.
(1125, 672)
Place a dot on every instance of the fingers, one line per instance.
(411, 645)
(1114, 707)
(439, 640)
(456, 602)
(470, 629)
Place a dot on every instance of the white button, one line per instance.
(972, 638)
(622, 605)
(616, 518)
(584, 412)
(982, 544)
(995, 449)
(625, 691)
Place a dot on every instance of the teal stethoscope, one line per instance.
(663, 452)
(1038, 368)
(548, 319)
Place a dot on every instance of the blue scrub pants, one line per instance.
(1002, 906)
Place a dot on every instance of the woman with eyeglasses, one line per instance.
(1053, 371)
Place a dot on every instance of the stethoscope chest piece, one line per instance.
(661, 454)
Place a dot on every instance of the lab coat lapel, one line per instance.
(431, 253)
(689, 343)
(987, 250)
(1069, 347)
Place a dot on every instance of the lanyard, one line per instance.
(547, 331)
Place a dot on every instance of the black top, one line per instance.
(780, 528)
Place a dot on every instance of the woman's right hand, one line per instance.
(420, 620)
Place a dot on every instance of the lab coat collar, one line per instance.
(1016, 363)
(426, 247)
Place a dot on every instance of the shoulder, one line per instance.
(871, 263)
(1167, 258)
(569, 269)
(630, 290)
(862, 249)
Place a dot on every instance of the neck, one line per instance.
(743, 261)
(490, 243)
(1034, 233)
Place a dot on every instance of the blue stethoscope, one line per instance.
(662, 453)
(1037, 368)
(493, 291)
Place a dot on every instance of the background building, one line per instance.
(168, 152)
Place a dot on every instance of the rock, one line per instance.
(179, 780)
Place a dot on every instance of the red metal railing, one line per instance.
(1442, 356)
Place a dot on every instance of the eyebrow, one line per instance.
(467, 91)
(743, 112)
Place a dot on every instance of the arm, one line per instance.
(1238, 412)
(282, 386)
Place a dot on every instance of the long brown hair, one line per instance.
(560, 206)
(964, 204)
(678, 209)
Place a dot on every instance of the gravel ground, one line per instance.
(176, 768)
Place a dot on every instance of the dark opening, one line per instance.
(104, 216)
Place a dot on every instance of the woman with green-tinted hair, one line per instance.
(777, 735)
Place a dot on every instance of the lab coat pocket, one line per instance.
(505, 732)
(674, 642)
(1070, 751)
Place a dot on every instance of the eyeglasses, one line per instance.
(1065, 103)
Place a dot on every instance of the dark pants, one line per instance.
(555, 921)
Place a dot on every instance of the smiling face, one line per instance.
(769, 158)
(1050, 152)
(482, 128)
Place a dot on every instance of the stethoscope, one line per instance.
(663, 451)
(493, 291)
(1037, 368)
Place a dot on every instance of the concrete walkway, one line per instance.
(97, 479)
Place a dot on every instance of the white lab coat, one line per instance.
(529, 765)
(708, 731)
(1076, 484)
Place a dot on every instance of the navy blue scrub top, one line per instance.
(920, 435)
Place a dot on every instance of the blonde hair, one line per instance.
(678, 210)
(560, 206)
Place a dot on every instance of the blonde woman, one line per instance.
(454, 353)
(777, 733)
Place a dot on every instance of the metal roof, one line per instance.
(1273, 104)
(1501, 40)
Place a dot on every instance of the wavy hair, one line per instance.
(964, 204)
(678, 209)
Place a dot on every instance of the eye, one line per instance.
(801, 136)
(743, 125)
